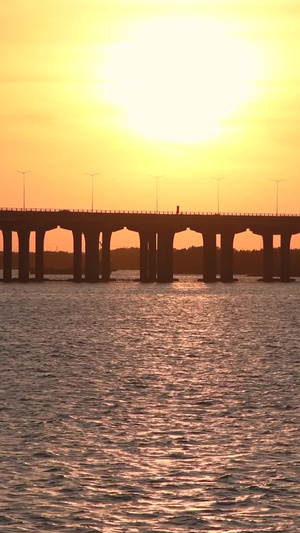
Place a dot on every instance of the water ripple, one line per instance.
(139, 408)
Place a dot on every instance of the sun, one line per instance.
(180, 79)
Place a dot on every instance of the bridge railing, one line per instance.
(139, 212)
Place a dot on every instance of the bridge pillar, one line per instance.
(152, 251)
(92, 256)
(39, 254)
(165, 256)
(227, 238)
(77, 255)
(106, 236)
(285, 257)
(209, 256)
(268, 262)
(7, 255)
(23, 235)
(144, 273)
(147, 256)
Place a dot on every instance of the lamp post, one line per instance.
(24, 172)
(218, 191)
(156, 191)
(277, 182)
(92, 176)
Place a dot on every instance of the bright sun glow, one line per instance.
(178, 80)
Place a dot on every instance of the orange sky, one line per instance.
(132, 89)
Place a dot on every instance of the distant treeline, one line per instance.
(186, 260)
(190, 261)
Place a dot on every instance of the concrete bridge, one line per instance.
(156, 232)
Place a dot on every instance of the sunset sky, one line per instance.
(132, 89)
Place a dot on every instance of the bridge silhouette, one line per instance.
(156, 233)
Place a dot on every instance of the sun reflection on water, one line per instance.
(150, 408)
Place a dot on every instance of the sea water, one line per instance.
(129, 407)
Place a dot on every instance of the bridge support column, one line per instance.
(152, 251)
(268, 262)
(7, 255)
(39, 254)
(106, 236)
(144, 274)
(77, 255)
(23, 235)
(92, 256)
(147, 256)
(165, 256)
(285, 257)
(227, 238)
(209, 256)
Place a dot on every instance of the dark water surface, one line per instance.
(138, 408)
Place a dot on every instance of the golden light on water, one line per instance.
(180, 79)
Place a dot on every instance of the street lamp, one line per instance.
(23, 172)
(218, 191)
(277, 182)
(92, 176)
(156, 191)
